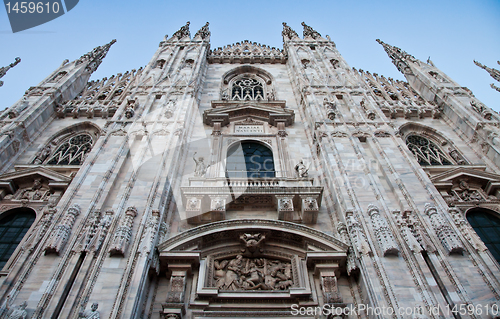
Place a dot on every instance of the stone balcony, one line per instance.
(208, 199)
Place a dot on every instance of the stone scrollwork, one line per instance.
(62, 231)
(444, 232)
(382, 232)
(252, 274)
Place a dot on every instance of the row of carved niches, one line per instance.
(303, 208)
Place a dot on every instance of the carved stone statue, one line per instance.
(92, 313)
(20, 312)
(301, 169)
(42, 156)
(201, 167)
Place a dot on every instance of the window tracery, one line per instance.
(246, 89)
(426, 152)
(72, 151)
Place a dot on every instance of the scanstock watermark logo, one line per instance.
(29, 14)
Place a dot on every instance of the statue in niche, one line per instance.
(201, 167)
(20, 312)
(92, 313)
(301, 169)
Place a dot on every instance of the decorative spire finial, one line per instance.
(3, 70)
(288, 32)
(310, 32)
(182, 32)
(399, 57)
(203, 32)
(95, 57)
(493, 72)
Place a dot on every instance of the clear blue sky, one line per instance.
(452, 33)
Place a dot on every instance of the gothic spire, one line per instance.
(203, 32)
(310, 32)
(94, 58)
(288, 32)
(399, 57)
(3, 70)
(493, 86)
(493, 72)
(182, 32)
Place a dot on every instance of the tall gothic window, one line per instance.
(426, 152)
(487, 226)
(247, 89)
(250, 159)
(72, 151)
(13, 226)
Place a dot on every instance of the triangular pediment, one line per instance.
(12, 180)
(488, 181)
(235, 111)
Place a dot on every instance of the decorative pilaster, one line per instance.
(62, 231)
(123, 233)
(174, 306)
(310, 209)
(382, 232)
(328, 278)
(410, 240)
(357, 234)
(40, 229)
(147, 240)
(444, 232)
(285, 207)
(344, 236)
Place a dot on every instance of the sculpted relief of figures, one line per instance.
(252, 274)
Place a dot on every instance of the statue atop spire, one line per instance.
(203, 32)
(3, 70)
(493, 72)
(288, 32)
(182, 32)
(399, 57)
(94, 58)
(310, 32)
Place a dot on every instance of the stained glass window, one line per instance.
(247, 89)
(72, 151)
(426, 152)
(250, 159)
(487, 226)
(13, 227)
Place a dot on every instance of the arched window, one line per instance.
(247, 88)
(487, 226)
(13, 226)
(72, 151)
(426, 152)
(250, 159)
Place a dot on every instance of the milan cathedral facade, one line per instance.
(249, 182)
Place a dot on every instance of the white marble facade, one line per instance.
(248, 182)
